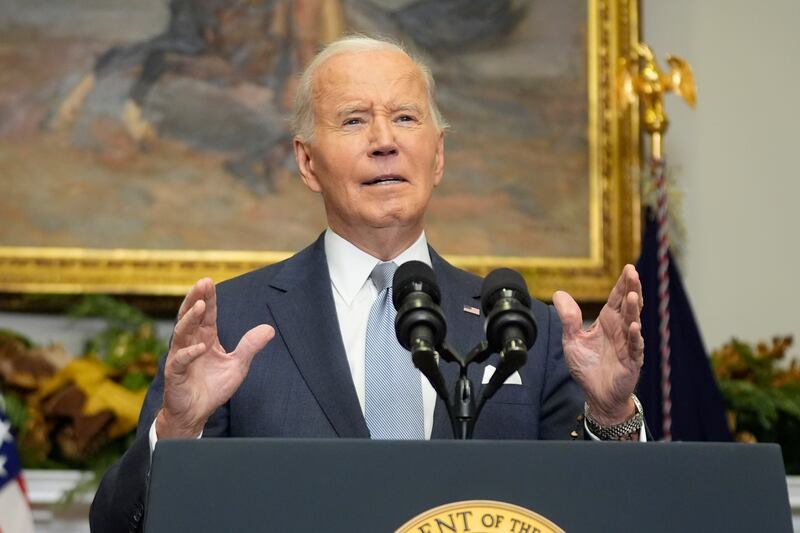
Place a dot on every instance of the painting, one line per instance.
(146, 144)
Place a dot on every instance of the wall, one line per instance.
(736, 160)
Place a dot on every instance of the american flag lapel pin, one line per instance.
(472, 310)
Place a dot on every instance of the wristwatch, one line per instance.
(627, 430)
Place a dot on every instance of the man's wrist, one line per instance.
(168, 428)
(611, 417)
(628, 429)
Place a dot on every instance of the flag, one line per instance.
(697, 410)
(15, 510)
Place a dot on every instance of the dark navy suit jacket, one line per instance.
(300, 384)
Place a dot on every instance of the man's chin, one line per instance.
(399, 220)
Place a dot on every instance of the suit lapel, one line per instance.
(302, 305)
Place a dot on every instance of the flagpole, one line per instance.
(640, 78)
(662, 224)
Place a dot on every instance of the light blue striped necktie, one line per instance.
(393, 399)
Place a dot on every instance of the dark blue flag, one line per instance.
(698, 412)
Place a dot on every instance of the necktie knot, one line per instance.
(382, 275)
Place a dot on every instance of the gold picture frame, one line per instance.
(612, 30)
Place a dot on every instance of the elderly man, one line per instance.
(289, 350)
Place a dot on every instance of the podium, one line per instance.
(378, 486)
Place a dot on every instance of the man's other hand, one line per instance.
(606, 358)
(199, 376)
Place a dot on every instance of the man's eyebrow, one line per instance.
(350, 109)
(408, 107)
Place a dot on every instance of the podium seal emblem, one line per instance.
(479, 516)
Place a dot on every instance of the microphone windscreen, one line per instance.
(503, 278)
(413, 276)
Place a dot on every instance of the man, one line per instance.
(286, 351)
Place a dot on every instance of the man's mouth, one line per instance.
(386, 179)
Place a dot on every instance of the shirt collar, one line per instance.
(350, 267)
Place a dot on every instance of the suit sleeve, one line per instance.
(118, 505)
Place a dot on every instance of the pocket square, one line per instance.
(488, 372)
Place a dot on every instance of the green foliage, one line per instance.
(13, 335)
(761, 395)
(129, 334)
(762, 405)
(15, 410)
(115, 312)
(136, 380)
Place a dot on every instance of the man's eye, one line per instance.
(352, 122)
(406, 118)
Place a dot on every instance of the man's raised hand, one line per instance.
(605, 359)
(199, 376)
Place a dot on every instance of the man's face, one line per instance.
(376, 153)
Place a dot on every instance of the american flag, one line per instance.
(15, 510)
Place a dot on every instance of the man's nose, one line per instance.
(383, 141)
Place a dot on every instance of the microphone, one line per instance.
(416, 297)
(511, 329)
(420, 325)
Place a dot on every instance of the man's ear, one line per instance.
(438, 161)
(305, 163)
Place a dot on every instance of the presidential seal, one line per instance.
(479, 516)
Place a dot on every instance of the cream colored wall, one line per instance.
(737, 157)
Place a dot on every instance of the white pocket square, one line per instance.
(488, 372)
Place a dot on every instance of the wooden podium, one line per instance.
(374, 487)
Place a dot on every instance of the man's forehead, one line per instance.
(348, 75)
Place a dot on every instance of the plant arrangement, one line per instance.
(80, 412)
(762, 394)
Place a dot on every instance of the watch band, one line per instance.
(627, 430)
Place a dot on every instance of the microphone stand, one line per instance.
(462, 408)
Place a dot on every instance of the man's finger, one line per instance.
(617, 295)
(252, 342)
(185, 356)
(197, 292)
(636, 343)
(634, 284)
(210, 317)
(569, 313)
(187, 326)
(630, 309)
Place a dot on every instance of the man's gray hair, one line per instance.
(303, 115)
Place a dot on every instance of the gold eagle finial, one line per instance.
(640, 76)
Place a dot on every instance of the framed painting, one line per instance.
(144, 144)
